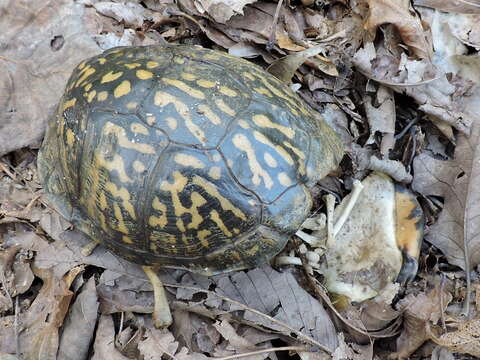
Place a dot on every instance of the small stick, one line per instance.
(357, 189)
(330, 201)
(282, 348)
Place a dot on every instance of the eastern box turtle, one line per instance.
(184, 157)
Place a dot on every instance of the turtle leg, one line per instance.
(162, 316)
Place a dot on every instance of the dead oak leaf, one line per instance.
(222, 10)
(409, 25)
(464, 340)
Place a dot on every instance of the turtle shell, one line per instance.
(184, 157)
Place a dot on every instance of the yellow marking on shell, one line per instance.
(178, 60)
(197, 94)
(171, 122)
(123, 141)
(138, 128)
(296, 150)
(163, 99)
(161, 220)
(102, 201)
(127, 239)
(70, 137)
(215, 172)
(150, 119)
(88, 87)
(217, 220)
(152, 64)
(87, 71)
(236, 231)
(102, 96)
(293, 105)
(123, 194)
(144, 74)
(68, 104)
(91, 95)
(253, 250)
(206, 83)
(197, 200)
(211, 116)
(225, 90)
(244, 124)
(224, 107)
(110, 76)
(270, 160)
(132, 66)
(102, 61)
(278, 148)
(265, 122)
(82, 65)
(139, 167)
(284, 179)
(202, 236)
(263, 91)
(249, 76)
(188, 76)
(216, 157)
(241, 142)
(188, 160)
(115, 164)
(131, 105)
(119, 217)
(212, 190)
(122, 89)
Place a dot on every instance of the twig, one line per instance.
(301, 336)
(282, 348)
(357, 189)
(271, 40)
(330, 201)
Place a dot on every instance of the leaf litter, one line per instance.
(398, 81)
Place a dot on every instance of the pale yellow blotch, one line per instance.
(171, 122)
(202, 236)
(131, 105)
(111, 76)
(212, 190)
(103, 201)
(122, 89)
(244, 124)
(91, 95)
(197, 200)
(82, 65)
(189, 160)
(205, 109)
(163, 99)
(102, 96)
(197, 94)
(277, 92)
(295, 150)
(206, 83)
(151, 120)
(127, 239)
(270, 160)
(132, 66)
(88, 87)
(225, 90)
(138, 166)
(119, 217)
(123, 194)
(263, 91)
(138, 128)
(265, 122)
(215, 172)
(224, 107)
(249, 76)
(216, 157)
(144, 74)
(124, 142)
(68, 104)
(152, 64)
(86, 73)
(217, 220)
(162, 209)
(284, 179)
(278, 148)
(188, 76)
(115, 164)
(253, 250)
(236, 231)
(241, 142)
(102, 61)
(178, 60)
(70, 137)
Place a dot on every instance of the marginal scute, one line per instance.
(184, 157)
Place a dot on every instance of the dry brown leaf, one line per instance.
(464, 340)
(454, 6)
(222, 10)
(80, 324)
(104, 346)
(409, 25)
(43, 41)
(129, 13)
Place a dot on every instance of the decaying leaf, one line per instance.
(104, 347)
(222, 10)
(464, 340)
